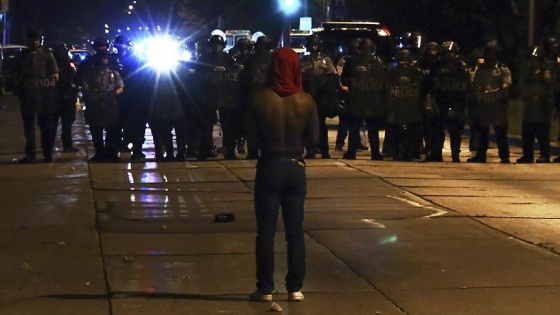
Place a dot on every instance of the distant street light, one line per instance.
(288, 7)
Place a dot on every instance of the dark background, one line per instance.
(470, 22)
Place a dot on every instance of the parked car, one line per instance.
(335, 37)
(8, 54)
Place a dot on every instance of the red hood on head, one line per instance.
(285, 73)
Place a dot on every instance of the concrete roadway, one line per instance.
(382, 237)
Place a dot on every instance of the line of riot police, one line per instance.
(428, 89)
(416, 97)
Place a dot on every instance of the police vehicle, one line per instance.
(335, 37)
(232, 36)
(297, 40)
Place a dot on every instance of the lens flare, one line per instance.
(161, 53)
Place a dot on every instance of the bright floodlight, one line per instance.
(161, 53)
(289, 6)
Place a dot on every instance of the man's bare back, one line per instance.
(283, 124)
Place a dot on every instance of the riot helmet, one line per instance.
(366, 46)
(449, 50)
(263, 43)
(122, 44)
(216, 44)
(476, 57)
(492, 51)
(100, 44)
(403, 56)
(432, 49)
(122, 40)
(216, 40)
(256, 36)
(61, 54)
(450, 46)
(35, 38)
(313, 43)
(552, 45)
(243, 44)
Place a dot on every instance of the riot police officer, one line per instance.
(167, 114)
(254, 78)
(134, 104)
(353, 49)
(364, 75)
(101, 85)
(537, 94)
(214, 68)
(491, 82)
(99, 44)
(449, 85)
(37, 74)
(404, 114)
(66, 112)
(321, 81)
(430, 56)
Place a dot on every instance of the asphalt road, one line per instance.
(382, 237)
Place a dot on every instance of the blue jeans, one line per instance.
(280, 182)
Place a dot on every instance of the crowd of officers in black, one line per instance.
(415, 97)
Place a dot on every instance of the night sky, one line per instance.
(467, 22)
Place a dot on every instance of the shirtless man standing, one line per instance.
(284, 120)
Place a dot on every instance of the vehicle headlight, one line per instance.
(161, 54)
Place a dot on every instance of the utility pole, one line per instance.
(531, 35)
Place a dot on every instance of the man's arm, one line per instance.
(251, 128)
(311, 136)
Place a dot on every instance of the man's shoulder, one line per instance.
(270, 95)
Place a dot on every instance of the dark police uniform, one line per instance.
(450, 85)
(404, 113)
(365, 77)
(321, 81)
(491, 108)
(134, 102)
(537, 94)
(67, 98)
(99, 85)
(37, 90)
(167, 114)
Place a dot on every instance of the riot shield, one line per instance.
(365, 97)
(101, 107)
(492, 107)
(220, 87)
(404, 105)
(323, 88)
